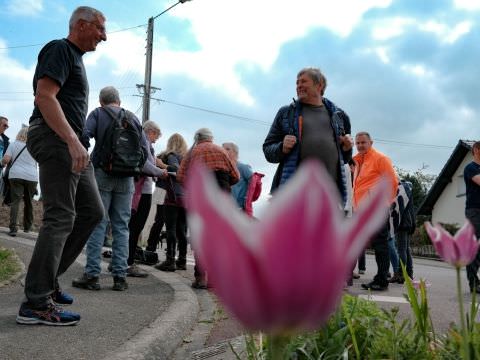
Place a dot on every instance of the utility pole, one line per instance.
(148, 72)
(147, 86)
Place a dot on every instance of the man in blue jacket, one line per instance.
(310, 127)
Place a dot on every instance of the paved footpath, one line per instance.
(148, 321)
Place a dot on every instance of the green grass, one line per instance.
(8, 264)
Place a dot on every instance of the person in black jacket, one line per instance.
(405, 230)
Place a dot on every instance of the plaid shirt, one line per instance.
(213, 157)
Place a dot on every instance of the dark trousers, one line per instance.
(156, 229)
(136, 225)
(404, 252)
(474, 216)
(71, 209)
(380, 246)
(22, 189)
(362, 263)
(176, 223)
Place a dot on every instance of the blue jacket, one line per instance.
(286, 123)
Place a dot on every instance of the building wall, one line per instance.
(450, 206)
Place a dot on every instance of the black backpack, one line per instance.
(121, 154)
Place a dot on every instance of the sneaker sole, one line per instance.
(137, 275)
(62, 304)
(35, 321)
(87, 287)
(119, 288)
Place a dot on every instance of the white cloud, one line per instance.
(25, 7)
(382, 54)
(457, 32)
(230, 34)
(447, 34)
(417, 69)
(252, 32)
(391, 27)
(468, 4)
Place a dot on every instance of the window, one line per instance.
(461, 190)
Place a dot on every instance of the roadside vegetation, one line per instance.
(9, 265)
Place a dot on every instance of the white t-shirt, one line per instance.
(24, 167)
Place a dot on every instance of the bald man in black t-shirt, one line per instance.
(72, 204)
(471, 175)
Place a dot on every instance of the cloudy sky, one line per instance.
(403, 70)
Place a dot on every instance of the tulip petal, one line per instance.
(297, 234)
(217, 229)
(444, 243)
(467, 243)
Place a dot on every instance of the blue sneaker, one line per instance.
(62, 298)
(50, 315)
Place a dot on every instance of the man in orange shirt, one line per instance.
(371, 167)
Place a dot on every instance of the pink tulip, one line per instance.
(286, 271)
(458, 250)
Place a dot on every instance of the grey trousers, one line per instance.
(22, 189)
(72, 207)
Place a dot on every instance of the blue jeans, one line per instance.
(392, 253)
(116, 194)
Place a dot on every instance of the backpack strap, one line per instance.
(113, 116)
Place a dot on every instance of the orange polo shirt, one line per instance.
(369, 169)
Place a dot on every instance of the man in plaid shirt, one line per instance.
(213, 157)
(216, 159)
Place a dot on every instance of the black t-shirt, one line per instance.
(62, 61)
(473, 189)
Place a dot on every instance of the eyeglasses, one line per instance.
(99, 27)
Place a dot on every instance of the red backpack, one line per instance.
(253, 192)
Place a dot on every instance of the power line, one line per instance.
(257, 121)
(214, 112)
(262, 122)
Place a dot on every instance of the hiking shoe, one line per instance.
(12, 233)
(62, 298)
(374, 286)
(119, 283)
(167, 265)
(135, 271)
(361, 272)
(199, 284)
(87, 282)
(396, 278)
(49, 315)
(355, 275)
(181, 264)
(150, 258)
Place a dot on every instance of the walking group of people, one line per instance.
(83, 193)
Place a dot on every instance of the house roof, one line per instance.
(445, 176)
